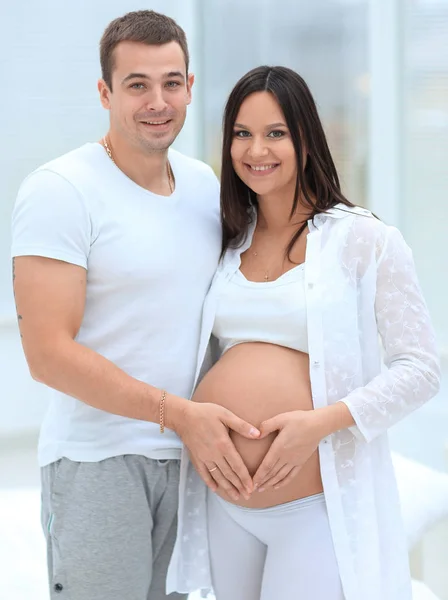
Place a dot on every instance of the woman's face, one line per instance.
(262, 151)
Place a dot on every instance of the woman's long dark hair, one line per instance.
(317, 184)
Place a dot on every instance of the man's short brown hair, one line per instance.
(145, 26)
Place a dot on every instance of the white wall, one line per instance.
(22, 400)
(408, 181)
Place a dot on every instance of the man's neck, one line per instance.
(148, 170)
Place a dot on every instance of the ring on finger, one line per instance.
(213, 469)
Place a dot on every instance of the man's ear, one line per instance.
(105, 93)
(190, 83)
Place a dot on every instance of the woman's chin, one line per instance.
(262, 188)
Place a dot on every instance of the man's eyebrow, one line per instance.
(147, 77)
(134, 76)
(175, 74)
(271, 126)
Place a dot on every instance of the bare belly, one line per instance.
(257, 381)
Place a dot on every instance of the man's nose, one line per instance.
(156, 101)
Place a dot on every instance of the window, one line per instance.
(325, 41)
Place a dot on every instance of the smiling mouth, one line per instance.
(156, 123)
(261, 169)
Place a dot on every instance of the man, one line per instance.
(115, 245)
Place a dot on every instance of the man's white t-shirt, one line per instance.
(149, 260)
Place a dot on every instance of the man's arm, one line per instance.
(50, 298)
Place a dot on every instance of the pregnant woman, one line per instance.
(307, 285)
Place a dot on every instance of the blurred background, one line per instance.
(378, 70)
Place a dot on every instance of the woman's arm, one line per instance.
(412, 376)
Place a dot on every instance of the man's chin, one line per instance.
(158, 142)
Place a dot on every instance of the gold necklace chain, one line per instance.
(266, 272)
(285, 265)
(168, 166)
(272, 265)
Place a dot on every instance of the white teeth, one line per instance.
(262, 167)
(155, 122)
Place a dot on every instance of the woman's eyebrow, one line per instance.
(271, 126)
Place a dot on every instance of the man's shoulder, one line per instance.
(73, 162)
(73, 166)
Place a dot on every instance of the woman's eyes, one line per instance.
(275, 134)
(241, 134)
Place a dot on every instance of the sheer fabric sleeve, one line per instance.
(412, 374)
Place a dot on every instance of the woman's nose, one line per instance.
(257, 148)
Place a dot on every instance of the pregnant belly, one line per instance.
(257, 381)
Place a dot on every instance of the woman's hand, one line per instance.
(298, 438)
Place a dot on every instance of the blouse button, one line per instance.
(316, 363)
(310, 285)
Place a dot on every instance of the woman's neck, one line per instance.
(274, 213)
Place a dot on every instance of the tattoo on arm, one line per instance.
(19, 317)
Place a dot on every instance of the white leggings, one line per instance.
(279, 553)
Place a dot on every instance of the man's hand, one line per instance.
(204, 429)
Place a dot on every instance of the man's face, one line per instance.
(150, 94)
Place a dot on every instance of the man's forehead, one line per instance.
(151, 60)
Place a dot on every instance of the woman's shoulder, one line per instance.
(360, 231)
(358, 220)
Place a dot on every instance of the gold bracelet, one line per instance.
(162, 412)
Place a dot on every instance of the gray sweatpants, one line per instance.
(110, 527)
